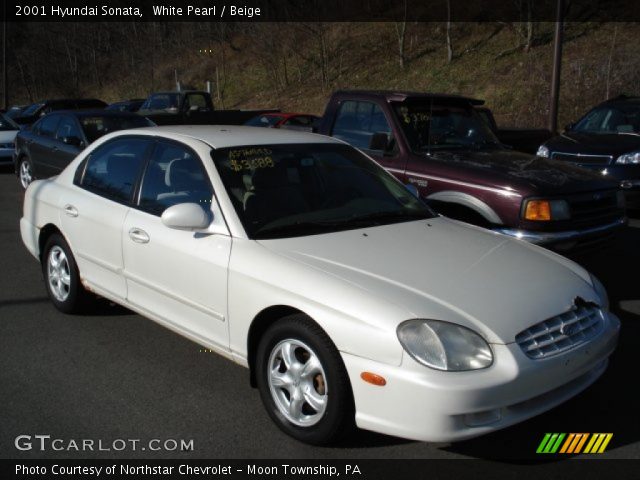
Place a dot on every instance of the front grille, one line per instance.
(582, 159)
(561, 333)
(593, 209)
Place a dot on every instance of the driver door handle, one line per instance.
(138, 235)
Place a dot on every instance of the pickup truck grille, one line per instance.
(592, 209)
(582, 159)
(562, 332)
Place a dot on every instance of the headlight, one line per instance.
(543, 151)
(602, 293)
(444, 346)
(545, 210)
(632, 158)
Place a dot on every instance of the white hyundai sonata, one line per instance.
(348, 299)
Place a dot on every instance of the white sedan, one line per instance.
(348, 299)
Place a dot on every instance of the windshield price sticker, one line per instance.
(251, 159)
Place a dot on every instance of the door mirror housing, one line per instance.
(413, 190)
(72, 140)
(187, 216)
(379, 141)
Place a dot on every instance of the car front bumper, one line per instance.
(423, 404)
(567, 236)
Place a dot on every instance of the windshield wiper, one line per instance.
(383, 217)
(297, 229)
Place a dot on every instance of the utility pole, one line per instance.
(557, 62)
(5, 75)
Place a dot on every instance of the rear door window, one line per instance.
(112, 170)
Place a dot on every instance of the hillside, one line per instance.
(296, 66)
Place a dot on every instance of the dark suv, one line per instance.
(440, 145)
(36, 110)
(606, 140)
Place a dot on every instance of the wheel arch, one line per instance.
(468, 201)
(45, 233)
(261, 322)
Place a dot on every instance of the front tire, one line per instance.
(61, 276)
(25, 172)
(303, 383)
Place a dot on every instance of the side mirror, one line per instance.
(186, 216)
(72, 140)
(413, 190)
(379, 141)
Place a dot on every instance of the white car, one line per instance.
(297, 256)
(8, 131)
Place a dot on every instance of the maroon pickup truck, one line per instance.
(439, 144)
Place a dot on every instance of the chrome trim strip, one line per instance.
(549, 237)
(501, 191)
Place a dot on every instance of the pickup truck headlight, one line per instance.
(545, 210)
(543, 151)
(444, 346)
(602, 293)
(632, 158)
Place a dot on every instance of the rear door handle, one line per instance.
(70, 211)
(138, 235)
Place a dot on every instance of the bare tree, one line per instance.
(448, 30)
(401, 30)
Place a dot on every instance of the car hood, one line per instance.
(8, 136)
(594, 143)
(526, 173)
(447, 270)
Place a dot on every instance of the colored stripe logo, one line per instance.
(574, 443)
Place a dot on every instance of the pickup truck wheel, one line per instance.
(25, 172)
(302, 381)
(61, 276)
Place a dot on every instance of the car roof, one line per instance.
(621, 99)
(403, 95)
(222, 136)
(96, 113)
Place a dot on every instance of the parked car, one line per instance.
(191, 107)
(439, 144)
(15, 110)
(8, 131)
(521, 139)
(606, 140)
(292, 121)
(36, 110)
(346, 296)
(132, 105)
(52, 142)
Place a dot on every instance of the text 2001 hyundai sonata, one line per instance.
(297, 256)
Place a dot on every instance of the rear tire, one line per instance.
(61, 277)
(25, 172)
(303, 382)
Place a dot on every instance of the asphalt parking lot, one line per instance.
(116, 375)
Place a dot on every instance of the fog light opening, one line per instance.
(480, 419)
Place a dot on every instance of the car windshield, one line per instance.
(7, 124)
(304, 189)
(162, 101)
(611, 119)
(32, 109)
(429, 126)
(263, 121)
(96, 126)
